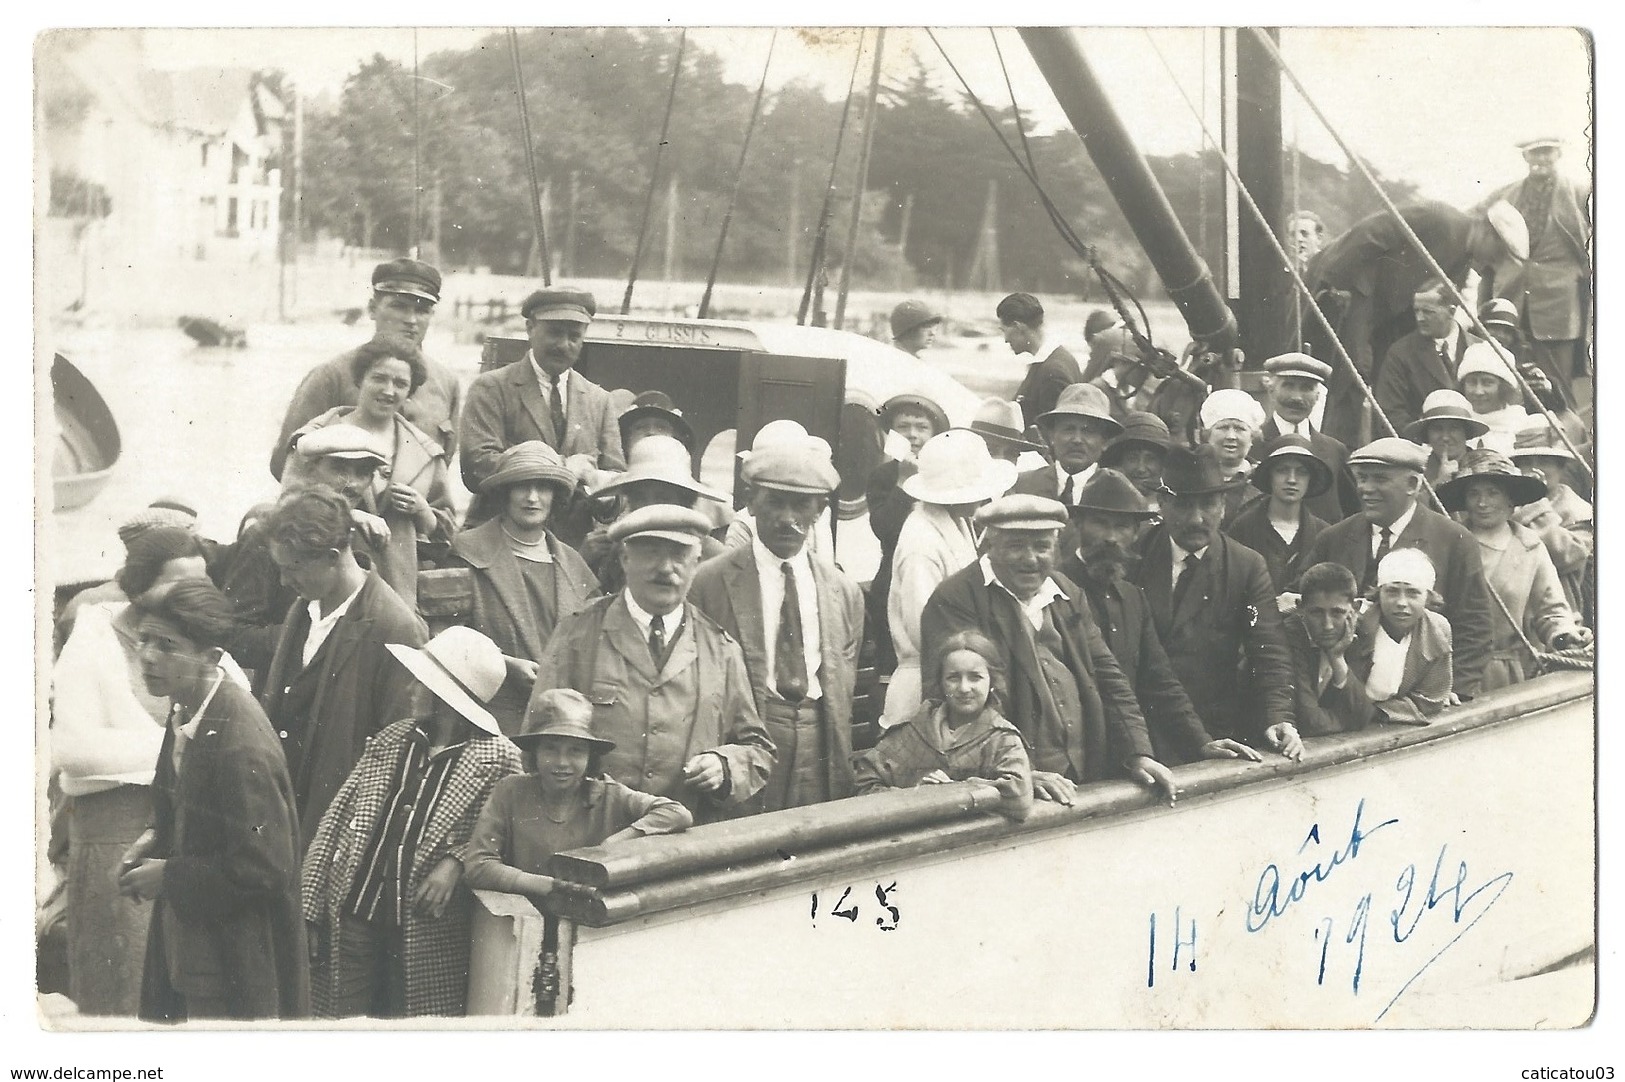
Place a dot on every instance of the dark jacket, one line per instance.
(1331, 710)
(1285, 562)
(1113, 728)
(1460, 580)
(1124, 618)
(1224, 642)
(1337, 502)
(361, 688)
(226, 927)
(1044, 382)
(1413, 370)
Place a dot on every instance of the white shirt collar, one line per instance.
(1398, 526)
(545, 381)
(1283, 426)
(1083, 475)
(1180, 552)
(1033, 608)
(1448, 342)
(767, 563)
(322, 626)
(668, 622)
(1041, 351)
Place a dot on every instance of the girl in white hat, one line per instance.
(1402, 651)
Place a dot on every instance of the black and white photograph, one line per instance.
(676, 527)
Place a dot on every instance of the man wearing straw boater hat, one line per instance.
(1068, 695)
(1109, 516)
(1215, 609)
(404, 295)
(382, 881)
(668, 685)
(1296, 384)
(542, 397)
(799, 621)
(1388, 473)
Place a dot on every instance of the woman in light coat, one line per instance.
(956, 476)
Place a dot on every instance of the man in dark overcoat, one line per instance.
(1051, 368)
(1421, 362)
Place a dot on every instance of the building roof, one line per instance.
(204, 100)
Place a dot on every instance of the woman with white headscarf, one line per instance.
(1231, 421)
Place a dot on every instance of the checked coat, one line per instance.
(434, 952)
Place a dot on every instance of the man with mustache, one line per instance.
(1215, 609)
(404, 293)
(799, 620)
(542, 397)
(1068, 695)
(1108, 517)
(667, 684)
(1296, 381)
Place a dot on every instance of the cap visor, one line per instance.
(443, 687)
(406, 289)
(563, 315)
(665, 535)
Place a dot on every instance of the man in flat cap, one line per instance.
(1552, 288)
(1388, 473)
(1068, 695)
(1296, 381)
(660, 471)
(1365, 281)
(799, 620)
(1050, 368)
(1109, 515)
(1214, 609)
(914, 326)
(404, 293)
(542, 397)
(668, 685)
(1422, 361)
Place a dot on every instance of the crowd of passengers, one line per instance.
(284, 762)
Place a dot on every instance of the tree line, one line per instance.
(596, 99)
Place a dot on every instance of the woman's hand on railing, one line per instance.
(936, 777)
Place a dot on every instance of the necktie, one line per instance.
(789, 657)
(1187, 570)
(1070, 496)
(1385, 544)
(558, 408)
(657, 642)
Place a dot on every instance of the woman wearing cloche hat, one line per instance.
(525, 580)
(382, 881)
(563, 801)
(1279, 525)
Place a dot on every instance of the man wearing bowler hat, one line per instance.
(667, 684)
(1068, 695)
(1389, 475)
(1215, 610)
(914, 326)
(799, 621)
(542, 397)
(1296, 383)
(404, 293)
(1109, 515)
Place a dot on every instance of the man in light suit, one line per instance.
(799, 621)
(542, 397)
(1389, 475)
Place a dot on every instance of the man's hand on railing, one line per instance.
(1283, 737)
(1053, 787)
(1146, 771)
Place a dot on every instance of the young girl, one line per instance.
(958, 732)
(1516, 565)
(1486, 380)
(1401, 654)
(564, 802)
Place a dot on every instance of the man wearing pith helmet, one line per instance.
(542, 397)
(667, 684)
(799, 620)
(1068, 695)
(404, 295)
(1388, 473)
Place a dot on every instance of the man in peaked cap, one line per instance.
(1552, 287)
(1214, 609)
(914, 326)
(1109, 515)
(542, 397)
(799, 621)
(1296, 383)
(404, 295)
(1068, 695)
(668, 685)
(1388, 473)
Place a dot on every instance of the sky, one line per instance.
(1442, 106)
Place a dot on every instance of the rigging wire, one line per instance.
(820, 238)
(654, 175)
(739, 175)
(863, 179)
(530, 160)
(1280, 250)
(1416, 242)
(417, 154)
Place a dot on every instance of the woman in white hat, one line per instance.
(525, 579)
(1492, 390)
(956, 476)
(382, 881)
(563, 801)
(1231, 421)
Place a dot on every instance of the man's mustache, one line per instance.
(1110, 552)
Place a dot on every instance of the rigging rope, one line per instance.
(869, 119)
(654, 175)
(1416, 242)
(1291, 265)
(820, 238)
(538, 221)
(417, 152)
(739, 174)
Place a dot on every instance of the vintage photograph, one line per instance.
(690, 528)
